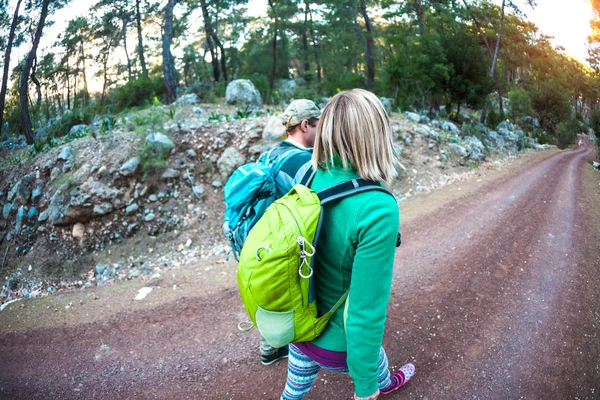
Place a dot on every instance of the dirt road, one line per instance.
(496, 295)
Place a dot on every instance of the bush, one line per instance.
(62, 127)
(153, 159)
(346, 81)
(494, 118)
(520, 103)
(595, 122)
(136, 93)
(567, 132)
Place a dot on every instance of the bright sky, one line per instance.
(567, 20)
(568, 24)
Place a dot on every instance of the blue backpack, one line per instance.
(248, 193)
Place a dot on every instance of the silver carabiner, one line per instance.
(262, 247)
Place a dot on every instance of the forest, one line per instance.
(429, 56)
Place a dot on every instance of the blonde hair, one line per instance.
(355, 127)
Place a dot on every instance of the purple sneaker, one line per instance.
(400, 378)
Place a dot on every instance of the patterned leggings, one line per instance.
(302, 372)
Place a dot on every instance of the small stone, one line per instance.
(7, 210)
(217, 184)
(66, 154)
(152, 198)
(78, 231)
(44, 216)
(130, 166)
(190, 153)
(170, 173)
(20, 215)
(32, 213)
(149, 217)
(198, 190)
(131, 209)
(55, 173)
(36, 194)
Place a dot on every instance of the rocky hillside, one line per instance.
(145, 195)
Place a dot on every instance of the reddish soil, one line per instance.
(496, 295)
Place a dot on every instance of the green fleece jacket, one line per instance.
(356, 250)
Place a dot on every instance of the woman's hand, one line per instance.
(374, 396)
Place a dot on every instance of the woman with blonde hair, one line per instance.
(355, 252)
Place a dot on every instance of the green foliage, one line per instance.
(494, 118)
(153, 160)
(345, 81)
(171, 112)
(68, 180)
(567, 132)
(551, 103)
(244, 113)
(136, 93)
(153, 117)
(595, 123)
(62, 127)
(520, 103)
(108, 124)
(215, 117)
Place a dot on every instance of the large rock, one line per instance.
(458, 149)
(243, 92)
(412, 116)
(229, 161)
(188, 99)
(66, 154)
(505, 126)
(274, 129)
(450, 127)
(79, 130)
(475, 148)
(130, 166)
(20, 193)
(161, 143)
(387, 104)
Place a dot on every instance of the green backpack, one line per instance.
(276, 264)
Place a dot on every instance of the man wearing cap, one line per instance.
(300, 120)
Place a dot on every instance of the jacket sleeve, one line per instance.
(377, 225)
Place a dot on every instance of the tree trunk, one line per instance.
(124, 35)
(370, 60)
(222, 50)
(274, 47)
(314, 45)
(61, 110)
(305, 38)
(208, 30)
(11, 37)
(23, 84)
(85, 84)
(494, 61)
(420, 15)
(67, 73)
(138, 18)
(105, 77)
(38, 85)
(168, 60)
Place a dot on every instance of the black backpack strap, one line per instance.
(333, 193)
(308, 177)
(349, 188)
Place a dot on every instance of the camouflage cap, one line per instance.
(299, 110)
